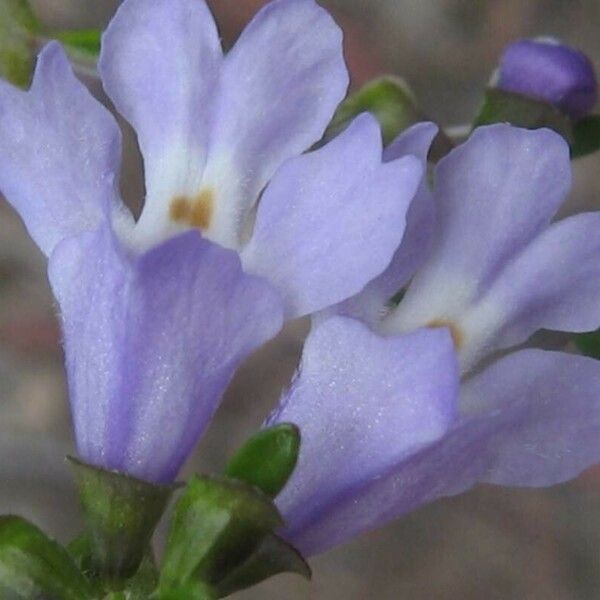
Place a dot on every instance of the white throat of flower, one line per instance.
(473, 325)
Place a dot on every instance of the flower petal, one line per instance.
(280, 86)
(212, 130)
(547, 412)
(160, 65)
(330, 221)
(553, 284)
(494, 195)
(152, 342)
(363, 403)
(60, 153)
(531, 419)
(369, 304)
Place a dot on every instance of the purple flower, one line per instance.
(385, 426)
(157, 314)
(548, 70)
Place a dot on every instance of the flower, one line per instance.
(549, 70)
(157, 314)
(497, 269)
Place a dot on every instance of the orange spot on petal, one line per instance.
(195, 212)
(457, 335)
(179, 211)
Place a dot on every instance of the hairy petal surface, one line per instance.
(160, 65)
(330, 221)
(152, 342)
(363, 403)
(60, 153)
(530, 419)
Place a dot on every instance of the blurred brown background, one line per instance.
(490, 543)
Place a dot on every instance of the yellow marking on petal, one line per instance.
(457, 335)
(179, 211)
(195, 212)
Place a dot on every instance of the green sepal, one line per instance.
(18, 44)
(84, 41)
(121, 513)
(388, 98)
(588, 343)
(500, 106)
(273, 557)
(217, 523)
(192, 590)
(268, 459)
(138, 587)
(80, 550)
(586, 136)
(31, 564)
(145, 580)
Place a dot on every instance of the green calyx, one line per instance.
(120, 513)
(507, 107)
(217, 523)
(222, 536)
(499, 106)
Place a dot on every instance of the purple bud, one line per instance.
(548, 70)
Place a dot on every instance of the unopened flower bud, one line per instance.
(548, 70)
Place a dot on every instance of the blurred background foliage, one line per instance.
(490, 543)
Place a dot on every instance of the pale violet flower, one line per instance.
(493, 269)
(157, 314)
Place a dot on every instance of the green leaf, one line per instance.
(85, 41)
(272, 557)
(31, 564)
(18, 45)
(268, 459)
(121, 513)
(588, 343)
(217, 523)
(586, 134)
(506, 107)
(388, 98)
